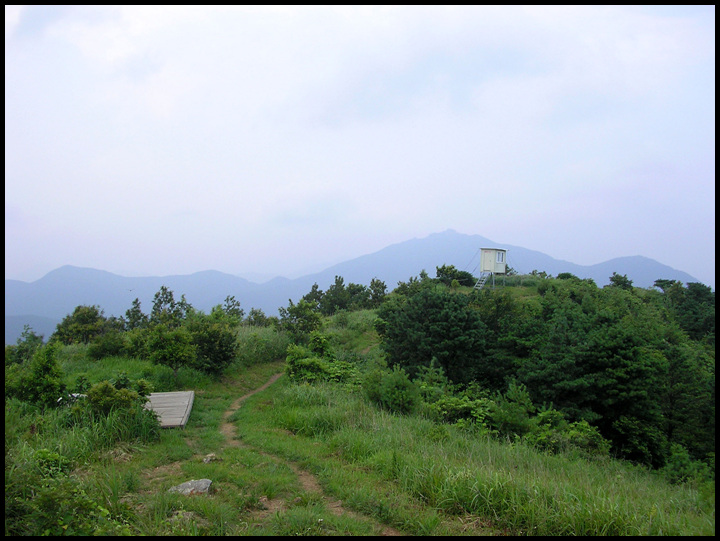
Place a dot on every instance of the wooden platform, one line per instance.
(172, 408)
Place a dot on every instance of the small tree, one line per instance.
(315, 296)
(104, 397)
(257, 318)
(27, 345)
(620, 281)
(135, 319)
(378, 291)
(433, 324)
(107, 344)
(337, 297)
(215, 344)
(232, 309)
(358, 296)
(171, 347)
(447, 273)
(40, 382)
(166, 310)
(299, 320)
(84, 324)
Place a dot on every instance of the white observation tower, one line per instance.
(492, 261)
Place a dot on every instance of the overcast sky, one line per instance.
(152, 141)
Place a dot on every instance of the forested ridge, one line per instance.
(637, 364)
(555, 363)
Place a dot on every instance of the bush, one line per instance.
(304, 365)
(393, 390)
(510, 413)
(136, 342)
(39, 382)
(84, 324)
(215, 345)
(27, 345)
(41, 499)
(454, 409)
(104, 397)
(52, 464)
(171, 347)
(307, 369)
(433, 325)
(680, 467)
(299, 320)
(108, 344)
(555, 434)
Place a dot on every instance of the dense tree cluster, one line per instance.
(341, 297)
(173, 333)
(637, 364)
(433, 326)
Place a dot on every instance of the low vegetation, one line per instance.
(546, 407)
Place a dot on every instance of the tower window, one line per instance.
(501, 257)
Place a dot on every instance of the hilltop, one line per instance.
(442, 411)
(56, 294)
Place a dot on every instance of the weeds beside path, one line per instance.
(227, 428)
(309, 482)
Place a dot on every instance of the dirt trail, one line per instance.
(227, 428)
(308, 481)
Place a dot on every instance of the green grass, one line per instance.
(352, 331)
(334, 434)
(402, 472)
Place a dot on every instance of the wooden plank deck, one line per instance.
(172, 408)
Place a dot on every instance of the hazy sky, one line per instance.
(152, 141)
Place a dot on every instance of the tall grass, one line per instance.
(75, 435)
(352, 331)
(43, 448)
(75, 363)
(514, 485)
(259, 345)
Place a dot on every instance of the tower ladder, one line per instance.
(481, 281)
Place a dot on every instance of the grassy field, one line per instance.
(427, 479)
(320, 460)
(311, 459)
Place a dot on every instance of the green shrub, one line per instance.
(398, 393)
(587, 438)
(27, 345)
(320, 345)
(510, 413)
(215, 345)
(680, 467)
(136, 342)
(38, 382)
(104, 397)
(372, 380)
(56, 506)
(120, 394)
(306, 369)
(52, 464)
(455, 409)
(110, 343)
(304, 365)
(171, 347)
(84, 324)
(81, 385)
(554, 433)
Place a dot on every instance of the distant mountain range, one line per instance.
(42, 304)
